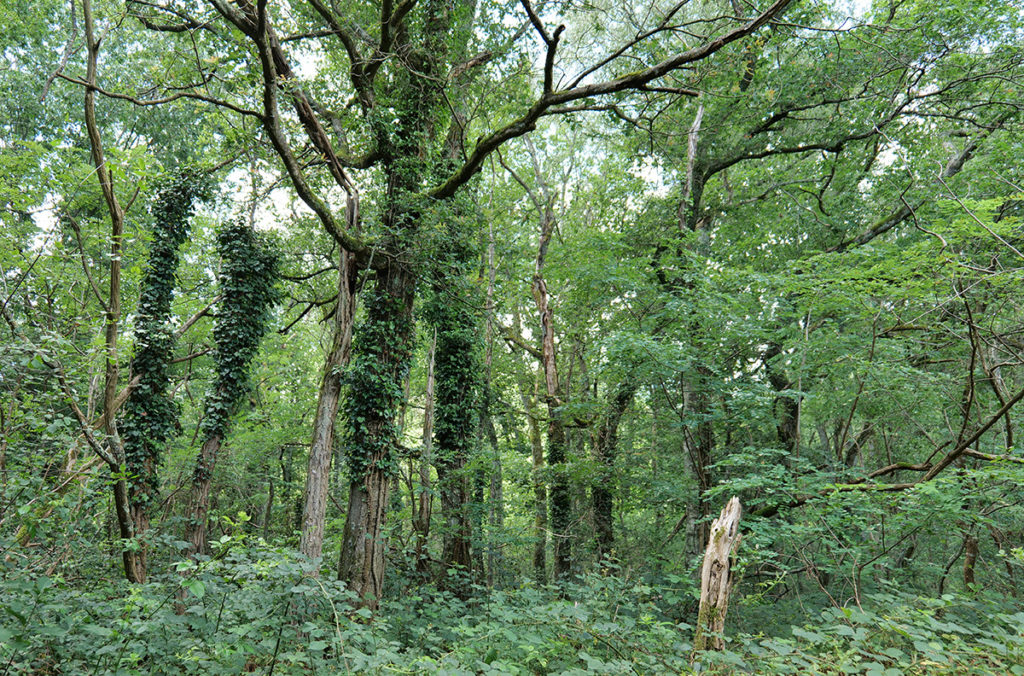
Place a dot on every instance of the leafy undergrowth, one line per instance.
(257, 611)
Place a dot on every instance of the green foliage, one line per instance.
(382, 349)
(833, 299)
(151, 415)
(254, 608)
(247, 286)
(452, 310)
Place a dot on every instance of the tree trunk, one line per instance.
(363, 546)
(699, 444)
(476, 519)
(381, 360)
(134, 568)
(425, 499)
(199, 497)
(561, 502)
(457, 372)
(454, 499)
(787, 419)
(495, 496)
(540, 494)
(716, 578)
(605, 447)
(314, 509)
(139, 511)
(970, 558)
(268, 509)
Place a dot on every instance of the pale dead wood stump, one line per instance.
(716, 577)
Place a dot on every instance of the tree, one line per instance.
(247, 278)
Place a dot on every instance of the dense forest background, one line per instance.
(429, 336)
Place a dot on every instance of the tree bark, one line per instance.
(495, 494)
(699, 441)
(970, 558)
(425, 499)
(787, 419)
(133, 568)
(314, 509)
(199, 497)
(455, 548)
(540, 493)
(381, 361)
(560, 500)
(716, 578)
(457, 423)
(605, 447)
(363, 546)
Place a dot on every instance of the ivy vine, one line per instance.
(382, 351)
(150, 412)
(249, 270)
(452, 309)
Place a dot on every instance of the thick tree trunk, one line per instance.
(380, 364)
(199, 497)
(456, 551)
(363, 547)
(540, 511)
(560, 500)
(454, 436)
(458, 375)
(314, 509)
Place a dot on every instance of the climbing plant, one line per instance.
(373, 384)
(247, 284)
(150, 412)
(452, 308)
(249, 270)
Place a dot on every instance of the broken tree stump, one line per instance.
(716, 577)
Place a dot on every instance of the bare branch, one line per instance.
(528, 121)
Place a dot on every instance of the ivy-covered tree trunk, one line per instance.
(457, 376)
(314, 511)
(382, 350)
(605, 447)
(425, 497)
(150, 414)
(249, 270)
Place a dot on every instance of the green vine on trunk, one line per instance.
(247, 283)
(381, 354)
(150, 412)
(452, 308)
